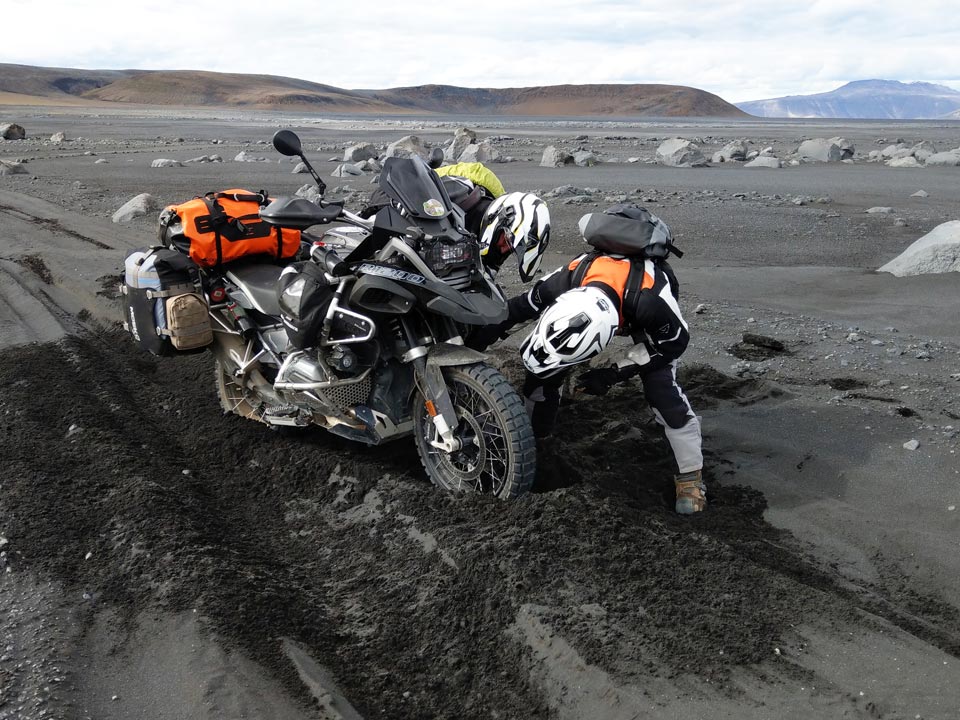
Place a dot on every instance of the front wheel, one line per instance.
(498, 453)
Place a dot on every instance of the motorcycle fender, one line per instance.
(447, 354)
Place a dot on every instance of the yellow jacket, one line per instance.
(477, 172)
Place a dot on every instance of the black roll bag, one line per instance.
(164, 310)
(305, 294)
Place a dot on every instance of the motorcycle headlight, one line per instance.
(442, 256)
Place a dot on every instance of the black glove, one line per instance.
(481, 337)
(598, 380)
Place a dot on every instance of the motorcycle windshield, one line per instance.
(411, 183)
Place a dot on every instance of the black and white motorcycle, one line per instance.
(364, 340)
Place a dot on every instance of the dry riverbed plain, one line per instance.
(160, 560)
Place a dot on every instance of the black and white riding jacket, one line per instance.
(645, 293)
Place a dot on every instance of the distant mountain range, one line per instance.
(30, 85)
(865, 99)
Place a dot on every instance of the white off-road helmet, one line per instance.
(518, 223)
(576, 327)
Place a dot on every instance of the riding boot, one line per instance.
(691, 492)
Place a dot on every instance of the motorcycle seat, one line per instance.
(258, 281)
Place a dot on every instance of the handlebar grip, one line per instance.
(329, 261)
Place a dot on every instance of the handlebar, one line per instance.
(329, 261)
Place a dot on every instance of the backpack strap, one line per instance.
(580, 271)
(632, 290)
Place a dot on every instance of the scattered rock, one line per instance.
(346, 171)
(677, 152)
(139, 206)
(921, 194)
(407, 146)
(8, 167)
(310, 192)
(462, 138)
(358, 153)
(12, 131)
(100, 161)
(734, 150)
(950, 158)
(584, 158)
(820, 150)
(879, 211)
(299, 169)
(165, 163)
(58, 137)
(244, 156)
(904, 162)
(764, 161)
(205, 159)
(552, 157)
(911, 445)
(482, 152)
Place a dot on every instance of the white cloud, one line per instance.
(738, 50)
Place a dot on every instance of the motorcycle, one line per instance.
(364, 337)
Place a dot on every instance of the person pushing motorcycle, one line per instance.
(625, 286)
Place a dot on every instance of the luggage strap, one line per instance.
(260, 198)
(219, 217)
(181, 289)
(196, 330)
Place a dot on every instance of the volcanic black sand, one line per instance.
(163, 560)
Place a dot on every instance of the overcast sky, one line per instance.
(738, 50)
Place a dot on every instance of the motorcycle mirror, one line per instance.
(436, 158)
(287, 143)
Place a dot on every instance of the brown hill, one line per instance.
(210, 89)
(573, 100)
(190, 87)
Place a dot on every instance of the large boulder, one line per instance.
(359, 152)
(552, 157)
(677, 152)
(12, 131)
(407, 147)
(142, 204)
(462, 138)
(482, 152)
(950, 158)
(820, 150)
(936, 252)
(58, 137)
(734, 150)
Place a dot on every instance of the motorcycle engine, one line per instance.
(306, 370)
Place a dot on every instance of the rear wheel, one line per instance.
(498, 452)
(234, 396)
